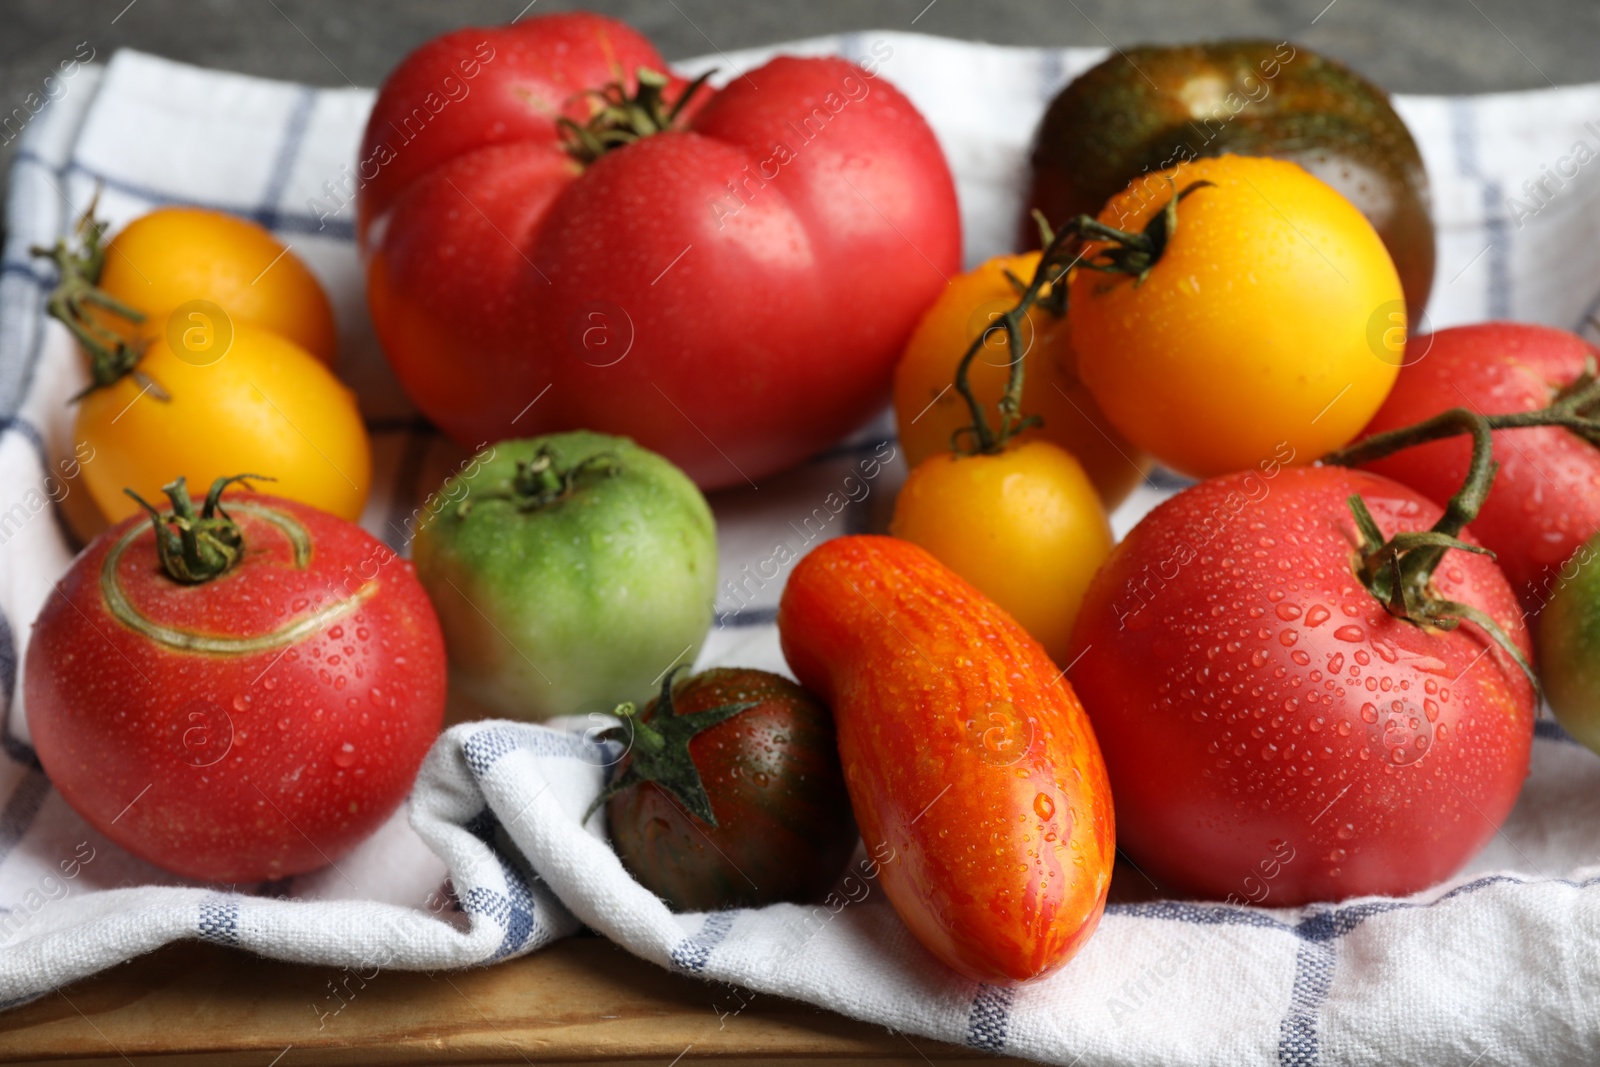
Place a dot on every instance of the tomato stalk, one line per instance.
(112, 356)
(1122, 252)
(196, 548)
(1575, 408)
(1399, 570)
(622, 118)
(539, 482)
(660, 750)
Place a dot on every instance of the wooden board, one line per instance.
(582, 1001)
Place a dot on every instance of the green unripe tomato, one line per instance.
(570, 572)
(1569, 645)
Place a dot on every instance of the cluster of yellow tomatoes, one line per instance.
(1254, 340)
(211, 350)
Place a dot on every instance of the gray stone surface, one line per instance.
(1405, 45)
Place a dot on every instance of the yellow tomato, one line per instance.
(1273, 316)
(1025, 526)
(929, 410)
(266, 406)
(174, 255)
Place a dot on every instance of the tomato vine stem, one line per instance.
(77, 294)
(1399, 570)
(1122, 252)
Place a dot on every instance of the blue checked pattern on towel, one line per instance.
(491, 860)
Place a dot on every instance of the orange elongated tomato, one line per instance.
(973, 771)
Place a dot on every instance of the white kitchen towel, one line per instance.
(1497, 967)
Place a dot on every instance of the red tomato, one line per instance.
(975, 778)
(1546, 496)
(1272, 732)
(731, 293)
(253, 726)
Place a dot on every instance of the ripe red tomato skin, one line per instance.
(748, 311)
(1545, 501)
(501, 84)
(244, 755)
(913, 661)
(1205, 802)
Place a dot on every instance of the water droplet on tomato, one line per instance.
(336, 632)
(1044, 806)
(1288, 612)
(269, 683)
(346, 756)
(1317, 615)
(1351, 633)
(1369, 713)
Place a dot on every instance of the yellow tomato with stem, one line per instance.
(208, 344)
(1024, 525)
(174, 256)
(928, 410)
(265, 406)
(1268, 314)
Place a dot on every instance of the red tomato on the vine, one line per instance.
(1545, 502)
(251, 726)
(1272, 733)
(730, 290)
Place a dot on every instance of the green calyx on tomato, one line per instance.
(540, 482)
(621, 118)
(77, 296)
(783, 829)
(1399, 571)
(661, 749)
(569, 572)
(197, 548)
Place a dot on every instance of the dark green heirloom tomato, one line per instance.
(1155, 106)
(569, 573)
(1568, 635)
(731, 794)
